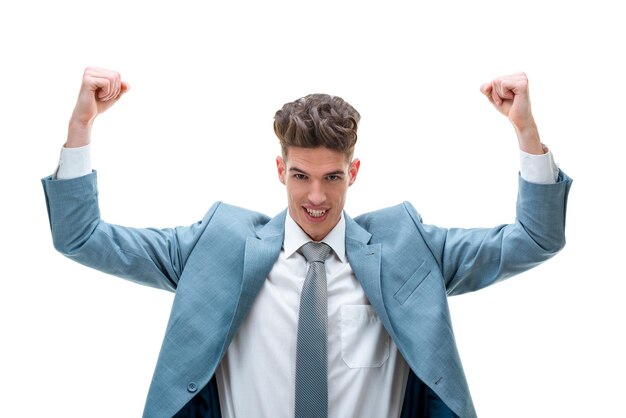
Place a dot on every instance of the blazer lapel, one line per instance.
(365, 260)
(260, 255)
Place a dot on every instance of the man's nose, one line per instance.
(317, 195)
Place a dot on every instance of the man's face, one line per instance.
(317, 181)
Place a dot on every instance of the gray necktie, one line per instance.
(311, 355)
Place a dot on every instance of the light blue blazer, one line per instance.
(217, 266)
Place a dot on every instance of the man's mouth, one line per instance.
(316, 213)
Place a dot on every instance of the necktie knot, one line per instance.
(315, 251)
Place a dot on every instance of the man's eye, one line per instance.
(334, 178)
(300, 176)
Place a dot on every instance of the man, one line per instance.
(237, 333)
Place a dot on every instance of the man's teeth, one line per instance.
(316, 213)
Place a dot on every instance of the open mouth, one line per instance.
(316, 215)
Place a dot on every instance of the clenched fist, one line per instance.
(100, 89)
(509, 95)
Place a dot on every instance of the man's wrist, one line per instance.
(529, 141)
(78, 134)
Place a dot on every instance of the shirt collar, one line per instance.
(295, 238)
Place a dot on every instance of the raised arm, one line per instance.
(474, 258)
(153, 257)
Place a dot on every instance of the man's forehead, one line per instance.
(317, 162)
(315, 156)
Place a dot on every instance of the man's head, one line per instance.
(317, 134)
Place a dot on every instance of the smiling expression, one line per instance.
(317, 181)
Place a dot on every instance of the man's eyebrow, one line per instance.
(332, 173)
(336, 173)
(298, 170)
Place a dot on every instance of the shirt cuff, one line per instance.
(540, 169)
(74, 162)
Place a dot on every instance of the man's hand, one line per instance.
(100, 89)
(509, 94)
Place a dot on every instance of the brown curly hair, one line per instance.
(317, 120)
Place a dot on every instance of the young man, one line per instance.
(235, 338)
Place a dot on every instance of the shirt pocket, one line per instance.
(364, 341)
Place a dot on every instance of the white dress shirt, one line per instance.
(367, 374)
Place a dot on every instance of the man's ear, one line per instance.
(353, 170)
(281, 166)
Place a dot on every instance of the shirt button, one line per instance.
(192, 387)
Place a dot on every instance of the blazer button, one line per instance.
(192, 387)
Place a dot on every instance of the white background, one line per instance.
(196, 127)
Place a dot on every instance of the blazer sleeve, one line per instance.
(471, 259)
(153, 257)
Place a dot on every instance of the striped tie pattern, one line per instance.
(312, 348)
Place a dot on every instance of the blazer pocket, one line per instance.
(364, 341)
(408, 287)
